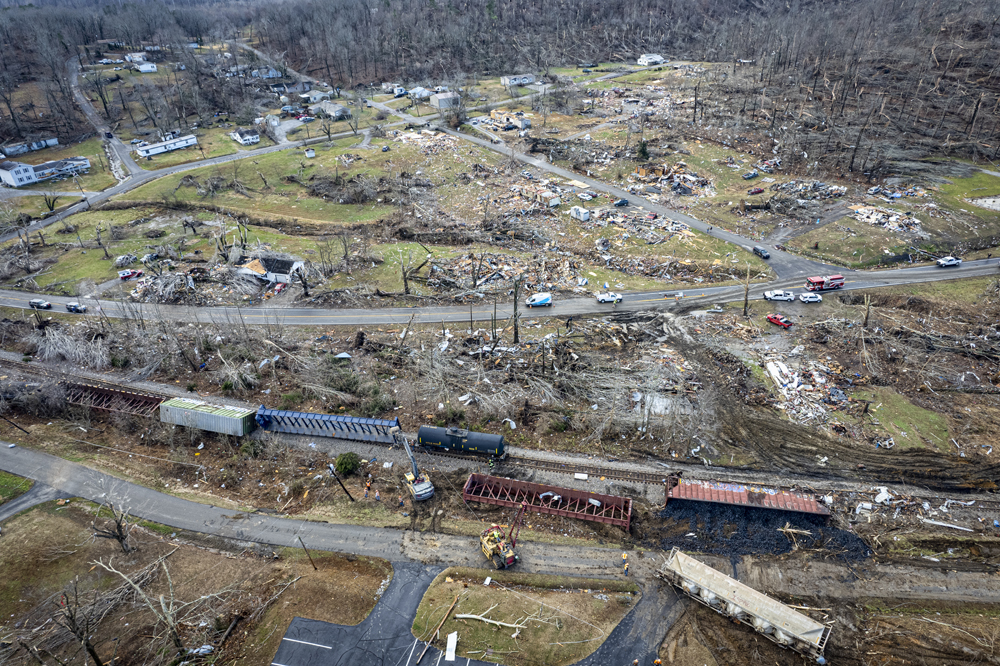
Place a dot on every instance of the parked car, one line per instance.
(945, 262)
(609, 297)
(543, 299)
(584, 196)
(779, 295)
(108, 135)
(761, 252)
(810, 298)
(385, 149)
(651, 216)
(307, 119)
(755, 190)
(750, 175)
(128, 274)
(526, 174)
(621, 202)
(39, 304)
(779, 320)
(76, 307)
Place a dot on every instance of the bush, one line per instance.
(347, 463)
(290, 400)
(227, 385)
(252, 448)
(379, 403)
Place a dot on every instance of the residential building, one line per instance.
(245, 137)
(11, 149)
(517, 80)
(265, 73)
(419, 93)
(64, 167)
(579, 213)
(331, 109)
(166, 146)
(269, 268)
(147, 68)
(647, 59)
(445, 100)
(314, 96)
(16, 174)
(135, 57)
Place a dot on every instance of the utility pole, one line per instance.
(315, 568)
(746, 292)
(333, 473)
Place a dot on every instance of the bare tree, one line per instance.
(99, 85)
(167, 609)
(118, 528)
(301, 274)
(746, 293)
(407, 270)
(80, 618)
(50, 199)
(518, 284)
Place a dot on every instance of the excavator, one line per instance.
(498, 547)
(418, 484)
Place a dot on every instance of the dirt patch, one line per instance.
(559, 620)
(247, 588)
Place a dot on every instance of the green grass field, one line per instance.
(12, 486)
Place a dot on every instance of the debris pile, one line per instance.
(889, 220)
(897, 193)
(678, 177)
(489, 270)
(429, 142)
(808, 190)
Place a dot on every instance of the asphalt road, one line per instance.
(698, 297)
(392, 545)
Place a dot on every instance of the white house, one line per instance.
(11, 149)
(334, 111)
(65, 167)
(245, 137)
(147, 68)
(135, 57)
(166, 146)
(647, 59)
(266, 73)
(420, 93)
(445, 100)
(16, 174)
(579, 213)
(314, 96)
(517, 80)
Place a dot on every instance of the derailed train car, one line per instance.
(463, 441)
(241, 421)
(726, 596)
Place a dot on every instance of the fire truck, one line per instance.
(824, 283)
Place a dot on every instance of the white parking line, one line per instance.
(411, 651)
(274, 663)
(325, 647)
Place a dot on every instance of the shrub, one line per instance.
(347, 463)
(379, 403)
(290, 400)
(252, 448)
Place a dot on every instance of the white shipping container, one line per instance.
(235, 421)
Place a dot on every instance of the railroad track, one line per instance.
(590, 470)
(97, 394)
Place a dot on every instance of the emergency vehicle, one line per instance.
(824, 283)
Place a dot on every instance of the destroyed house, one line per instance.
(269, 269)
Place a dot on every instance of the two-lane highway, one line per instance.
(680, 297)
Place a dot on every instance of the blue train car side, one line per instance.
(456, 439)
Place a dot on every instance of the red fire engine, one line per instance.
(824, 283)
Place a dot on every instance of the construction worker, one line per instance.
(624, 557)
(400, 500)
(366, 492)
(378, 497)
(657, 662)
